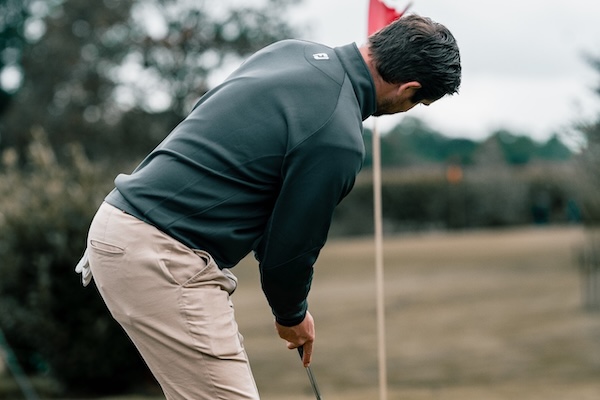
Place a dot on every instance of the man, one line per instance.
(258, 165)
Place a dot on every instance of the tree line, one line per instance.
(412, 142)
(116, 76)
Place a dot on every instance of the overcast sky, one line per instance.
(523, 61)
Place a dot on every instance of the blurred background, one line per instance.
(491, 198)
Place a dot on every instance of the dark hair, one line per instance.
(415, 48)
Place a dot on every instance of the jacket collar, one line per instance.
(360, 77)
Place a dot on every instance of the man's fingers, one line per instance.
(307, 355)
(300, 336)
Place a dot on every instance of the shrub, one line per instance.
(423, 199)
(54, 325)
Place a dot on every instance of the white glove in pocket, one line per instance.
(83, 268)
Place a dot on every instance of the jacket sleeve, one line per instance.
(315, 179)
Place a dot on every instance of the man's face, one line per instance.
(393, 98)
(397, 104)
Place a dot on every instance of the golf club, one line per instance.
(311, 377)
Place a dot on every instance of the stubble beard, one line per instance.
(384, 107)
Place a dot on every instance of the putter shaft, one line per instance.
(311, 377)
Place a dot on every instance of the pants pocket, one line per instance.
(104, 255)
(210, 318)
(105, 247)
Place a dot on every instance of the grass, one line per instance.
(475, 315)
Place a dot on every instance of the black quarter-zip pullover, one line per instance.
(259, 165)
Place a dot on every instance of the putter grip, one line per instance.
(301, 351)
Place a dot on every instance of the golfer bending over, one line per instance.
(258, 165)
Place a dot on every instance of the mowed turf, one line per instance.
(475, 315)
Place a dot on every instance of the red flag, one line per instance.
(381, 15)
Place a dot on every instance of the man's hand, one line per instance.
(302, 334)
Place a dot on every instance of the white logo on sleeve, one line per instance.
(321, 56)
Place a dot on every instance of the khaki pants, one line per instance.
(174, 304)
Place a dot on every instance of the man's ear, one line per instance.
(408, 89)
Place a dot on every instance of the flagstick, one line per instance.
(379, 262)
